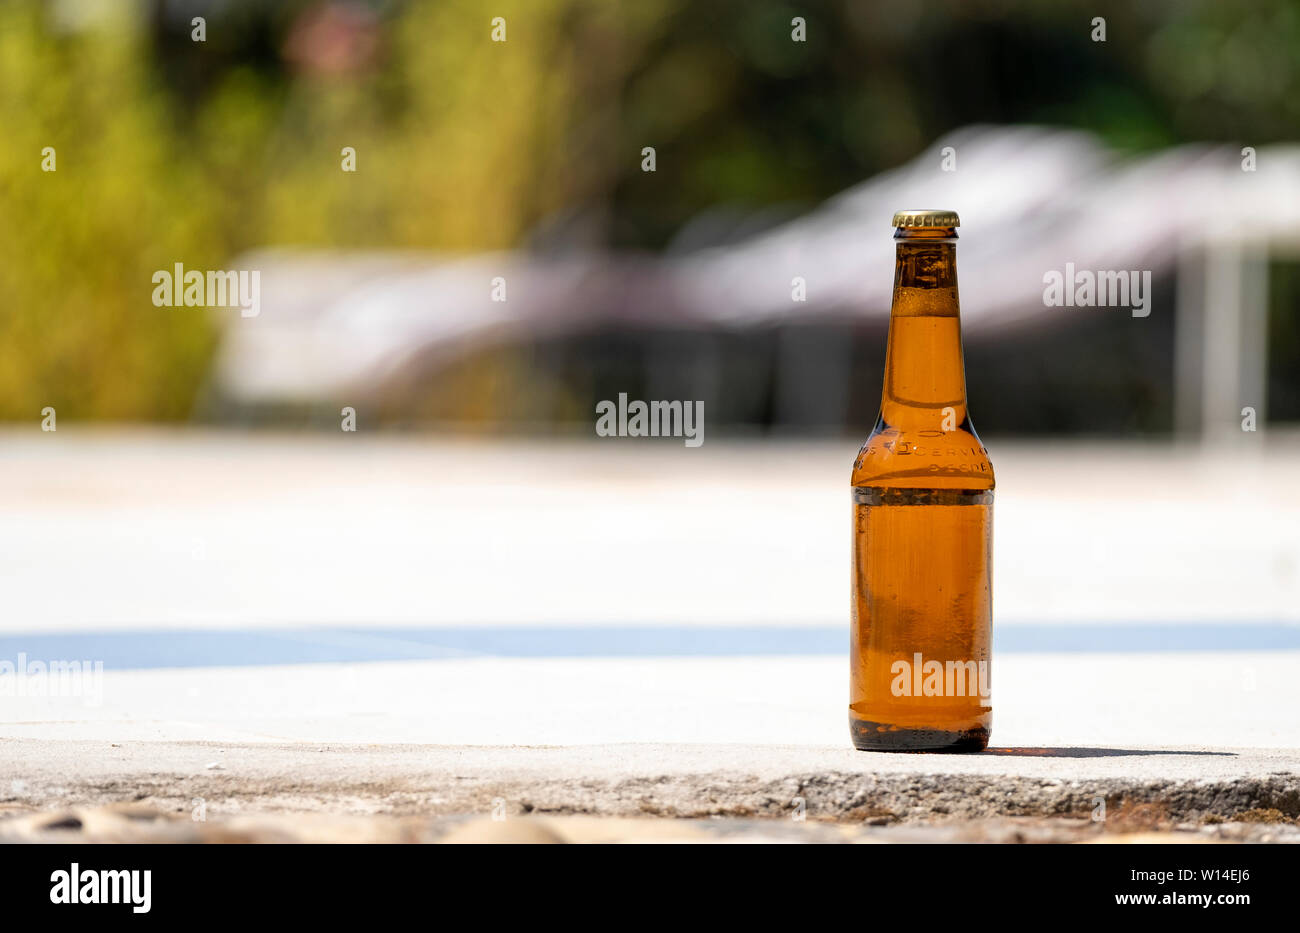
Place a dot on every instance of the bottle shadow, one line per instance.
(1082, 752)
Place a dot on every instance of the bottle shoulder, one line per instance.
(931, 459)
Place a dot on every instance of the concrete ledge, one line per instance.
(417, 792)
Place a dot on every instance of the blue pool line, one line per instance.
(144, 649)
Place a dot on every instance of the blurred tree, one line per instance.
(78, 245)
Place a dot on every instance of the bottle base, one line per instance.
(881, 737)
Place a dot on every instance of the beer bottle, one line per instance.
(922, 522)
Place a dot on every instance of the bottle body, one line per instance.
(922, 493)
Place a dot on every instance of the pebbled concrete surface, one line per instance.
(424, 792)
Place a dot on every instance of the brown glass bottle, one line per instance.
(922, 523)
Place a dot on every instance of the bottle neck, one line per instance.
(925, 381)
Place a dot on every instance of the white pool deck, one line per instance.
(149, 532)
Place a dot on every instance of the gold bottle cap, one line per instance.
(927, 219)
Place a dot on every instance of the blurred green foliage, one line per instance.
(459, 147)
(78, 245)
(174, 151)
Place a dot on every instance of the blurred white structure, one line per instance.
(1031, 199)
